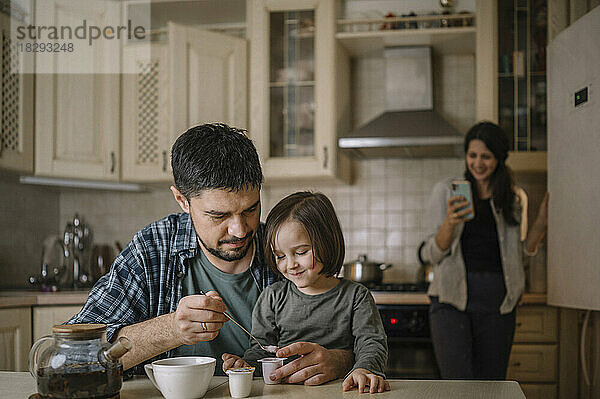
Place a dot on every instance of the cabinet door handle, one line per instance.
(164, 154)
(516, 364)
(519, 324)
(325, 157)
(113, 162)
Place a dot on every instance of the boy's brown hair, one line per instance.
(316, 214)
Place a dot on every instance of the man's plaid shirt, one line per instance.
(145, 280)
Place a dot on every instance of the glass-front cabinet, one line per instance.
(296, 107)
(522, 39)
(292, 83)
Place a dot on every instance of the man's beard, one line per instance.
(232, 255)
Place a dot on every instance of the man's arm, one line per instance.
(316, 365)
(197, 318)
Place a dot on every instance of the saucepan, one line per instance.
(364, 271)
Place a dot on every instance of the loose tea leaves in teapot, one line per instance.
(84, 380)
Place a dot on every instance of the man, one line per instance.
(152, 293)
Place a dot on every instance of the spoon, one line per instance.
(268, 348)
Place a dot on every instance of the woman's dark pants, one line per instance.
(476, 343)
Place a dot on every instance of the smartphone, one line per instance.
(463, 188)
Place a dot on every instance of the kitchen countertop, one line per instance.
(19, 298)
(15, 385)
(421, 298)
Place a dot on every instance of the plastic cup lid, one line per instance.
(272, 359)
(241, 370)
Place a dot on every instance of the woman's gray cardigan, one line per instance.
(450, 281)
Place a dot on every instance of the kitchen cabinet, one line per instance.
(44, 317)
(522, 39)
(145, 121)
(15, 338)
(511, 73)
(16, 135)
(165, 96)
(299, 89)
(77, 114)
(534, 357)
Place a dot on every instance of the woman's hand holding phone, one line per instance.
(455, 214)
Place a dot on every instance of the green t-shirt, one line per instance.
(239, 292)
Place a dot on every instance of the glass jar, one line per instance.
(78, 363)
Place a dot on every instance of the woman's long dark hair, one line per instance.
(501, 180)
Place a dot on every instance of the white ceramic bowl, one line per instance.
(182, 377)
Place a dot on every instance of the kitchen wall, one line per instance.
(27, 215)
(381, 211)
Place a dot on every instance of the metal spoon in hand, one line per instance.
(268, 348)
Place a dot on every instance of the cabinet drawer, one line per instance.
(532, 363)
(539, 391)
(536, 324)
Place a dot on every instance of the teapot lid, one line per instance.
(81, 331)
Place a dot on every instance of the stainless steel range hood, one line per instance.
(409, 127)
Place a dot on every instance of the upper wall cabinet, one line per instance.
(145, 109)
(208, 73)
(195, 77)
(77, 114)
(16, 137)
(522, 40)
(511, 73)
(299, 88)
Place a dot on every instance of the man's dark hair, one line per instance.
(316, 214)
(215, 156)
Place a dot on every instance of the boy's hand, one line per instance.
(232, 362)
(366, 382)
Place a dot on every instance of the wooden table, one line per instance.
(21, 385)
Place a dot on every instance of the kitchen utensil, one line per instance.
(182, 377)
(268, 348)
(102, 259)
(363, 271)
(79, 363)
(77, 243)
(53, 264)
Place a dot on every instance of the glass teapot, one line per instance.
(79, 363)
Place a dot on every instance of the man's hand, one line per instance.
(315, 366)
(198, 318)
(363, 378)
(232, 362)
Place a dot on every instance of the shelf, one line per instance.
(457, 40)
(511, 75)
(295, 83)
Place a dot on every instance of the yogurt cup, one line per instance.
(240, 381)
(270, 364)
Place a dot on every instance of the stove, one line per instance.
(407, 328)
(397, 287)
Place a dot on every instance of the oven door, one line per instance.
(410, 350)
(411, 358)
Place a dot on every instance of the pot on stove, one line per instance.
(364, 271)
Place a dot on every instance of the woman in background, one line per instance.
(478, 273)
